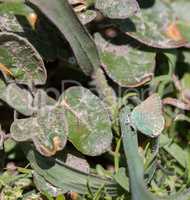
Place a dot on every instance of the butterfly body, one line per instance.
(147, 117)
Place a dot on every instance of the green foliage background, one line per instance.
(71, 74)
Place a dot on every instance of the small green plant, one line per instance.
(95, 97)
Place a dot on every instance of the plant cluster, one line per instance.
(95, 99)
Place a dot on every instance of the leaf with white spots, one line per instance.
(18, 98)
(119, 9)
(155, 25)
(181, 8)
(88, 121)
(48, 130)
(120, 60)
(54, 125)
(23, 129)
(22, 62)
(17, 17)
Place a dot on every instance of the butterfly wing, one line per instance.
(147, 117)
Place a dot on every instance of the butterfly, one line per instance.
(147, 117)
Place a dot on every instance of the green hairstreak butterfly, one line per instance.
(147, 117)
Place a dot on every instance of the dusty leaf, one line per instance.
(45, 187)
(54, 125)
(88, 121)
(21, 19)
(48, 130)
(23, 129)
(2, 86)
(18, 98)
(121, 61)
(21, 59)
(9, 12)
(154, 25)
(119, 9)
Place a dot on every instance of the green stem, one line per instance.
(117, 155)
(134, 161)
(105, 92)
(135, 165)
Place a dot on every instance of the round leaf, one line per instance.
(18, 98)
(48, 130)
(54, 126)
(125, 63)
(88, 121)
(154, 25)
(117, 9)
(21, 19)
(21, 59)
(23, 129)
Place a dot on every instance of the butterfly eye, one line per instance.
(128, 120)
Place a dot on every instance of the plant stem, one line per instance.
(105, 92)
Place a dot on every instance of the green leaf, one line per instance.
(10, 23)
(12, 1)
(181, 8)
(54, 125)
(23, 20)
(62, 15)
(58, 174)
(18, 98)
(120, 9)
(89, 123)
(87, 16)
(125, 62)
(184, 28)
(154, 26)
(16, 8)
(15, 17)
(174, 150)
(121, 179)
(134, 161)
(23, 63)
(72, 159)
(24, 129)
(48, 130)
(2, 87)
(45, 187)
(11, 192)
